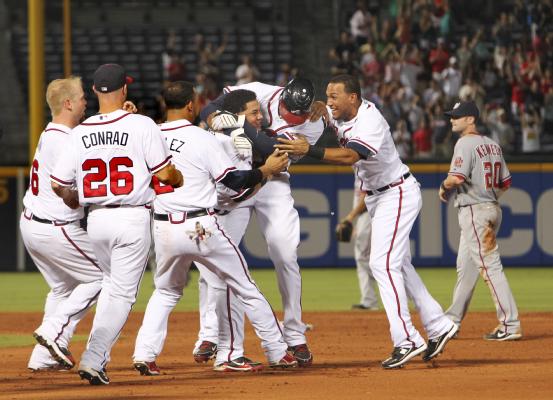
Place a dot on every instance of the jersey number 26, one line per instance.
(120, 182)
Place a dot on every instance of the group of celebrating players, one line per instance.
(194, 191)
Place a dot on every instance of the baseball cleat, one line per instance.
(147, 368)
(364, 307)
(436, 345)
(47, 368)
(302, 354)
(241, 364)
(206, 352)
(288, 361)
(501, 336)
(93, 376)
(401, 355)
(60, 354)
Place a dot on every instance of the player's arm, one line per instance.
(341, 156)
(359, 209)
(69, 196)
(169, 175)
(450, 183)
(243, 179)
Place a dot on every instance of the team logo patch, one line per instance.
(199, 233)
(458, 163)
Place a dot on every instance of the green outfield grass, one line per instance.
(323, 289)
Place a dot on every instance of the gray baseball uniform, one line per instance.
(479, 161)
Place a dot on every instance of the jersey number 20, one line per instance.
(492, 174)
(120, 182)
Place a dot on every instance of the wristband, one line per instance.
(316, 152)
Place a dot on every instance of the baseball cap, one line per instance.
(110, 77)
(464, 109)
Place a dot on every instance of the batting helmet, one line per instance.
(297, 97)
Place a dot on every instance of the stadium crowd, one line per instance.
(414, 63)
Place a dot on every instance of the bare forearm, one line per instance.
(359, 209)
(69, 196)
(452, 182)
(340, 156)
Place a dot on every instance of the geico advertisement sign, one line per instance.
(525, 237)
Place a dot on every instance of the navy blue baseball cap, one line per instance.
(110, 77)
(464, 109)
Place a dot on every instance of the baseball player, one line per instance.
(186, 229)
(479, 176)
(112, 158)
(393, 201)
(362, 249)
(51, 232)
(286, 111)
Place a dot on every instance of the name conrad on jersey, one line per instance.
(105, 138)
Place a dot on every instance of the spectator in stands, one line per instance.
(451, 80)
(517, 96)
(370, 66)
(548, 113)
(501, 130)
(285, 74)
(425, 32)
(502, 30)
(441, 134)
(360, 23)
(345, 50)
(464, 55)
(422, 141)
(533, 97)
(176, 71)
(415, 114)
(438, 59)
(531, 131)
(432, 94)
(403, 28)
(472, 91)
(246, 72)
(411, 66)
(402, 139)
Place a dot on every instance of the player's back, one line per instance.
(116, 156)
(479, 160)
(40, 199)
(202, 161)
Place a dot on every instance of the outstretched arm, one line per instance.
(301, 147)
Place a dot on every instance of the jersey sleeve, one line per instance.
(369, 133)
(461, 162)
(262, 91)
(505, 178)
(219, 163)
(155, 149)
(64, 172)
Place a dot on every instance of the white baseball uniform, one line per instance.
(282, 234)
(479, 161)
(362, 251)
(393, 201)
(187, 230)
(59, 247)
(112, 159)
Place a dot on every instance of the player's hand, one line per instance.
(276, 162)
(241, 143)
(318, 110)
(298, 147)
(179, 179)
(129, 106)
(226, 120)
(444, 194)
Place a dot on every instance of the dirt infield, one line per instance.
(347, 346)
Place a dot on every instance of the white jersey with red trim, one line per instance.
(268, 97)
(370, 133)
(40, 199)
(113, 158)
(203, 162)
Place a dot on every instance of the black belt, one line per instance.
(391, 185)
(47, 221)
(188, 215)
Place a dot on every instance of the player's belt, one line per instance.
(47, 221)
(391, 185)
(186, 214)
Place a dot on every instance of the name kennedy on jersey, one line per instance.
(488, 149)
(105, 138)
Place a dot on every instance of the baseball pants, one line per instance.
(362, 252)
(64, 256)
(479, 255)
(176, 247)
(121, 239)
(393, 213)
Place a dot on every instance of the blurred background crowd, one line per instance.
(414, 58)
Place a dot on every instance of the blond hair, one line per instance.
(60, 90)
